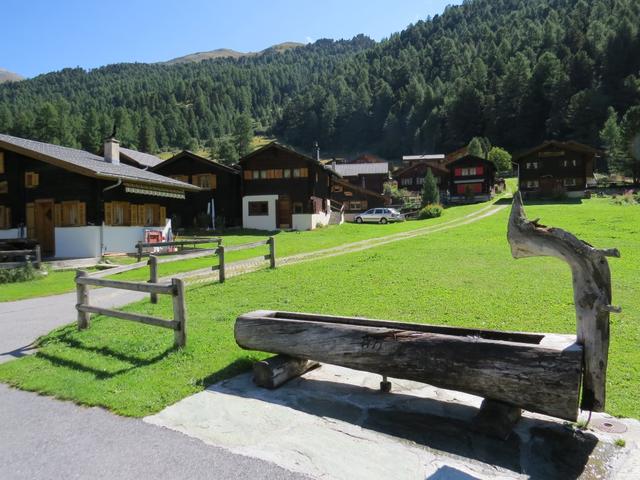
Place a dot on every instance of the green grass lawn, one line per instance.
(463, 276)
(287, 243)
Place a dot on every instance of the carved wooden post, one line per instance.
(272, 252)
(179, 312)
(153, 276)
(82, 298)
(591, 292)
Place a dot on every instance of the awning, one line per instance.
(155, 192)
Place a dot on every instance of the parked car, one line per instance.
(380, 215)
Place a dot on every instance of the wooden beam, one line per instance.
(540, 378)
(133, 286)
(245, 246)
(591, 292)
(274, 371)
(134, 317)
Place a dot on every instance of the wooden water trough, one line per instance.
(539, 372)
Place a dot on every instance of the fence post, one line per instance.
(38, 262)
(179, 313)
(153, 276)
(221, 267)
(272, 252)
(82, 298)
(139, 247)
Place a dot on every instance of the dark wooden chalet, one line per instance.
(471, 179)
(77, 204)
(219, 197)
(556, 168)
(370, 176)
(283, 188)
(355, 199)
(412, 177)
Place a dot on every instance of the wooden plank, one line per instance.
(17, 253)
(118, 269)
(275, 371)
(134, 317)
(180, 243)
(121, 285)
(245, 246)
(82, 299)
(591, 292)
(179, 313)
(540, 379)
(186, 256)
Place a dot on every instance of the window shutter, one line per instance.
(247, 174)
(31, 220)
(58, 215)
(126, 207)
(141, 215)
(82, 213)
(134, 215)
(304, 172)
(1, 162)
(213, 181)
(163, 216)
(195, 180)
(108, 213)
(458, 172)
(479, 170)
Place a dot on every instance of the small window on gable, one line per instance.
(31, 179)
(1, 163)
(205, 180)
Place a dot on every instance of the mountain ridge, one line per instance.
(8, 76)
(230, 53)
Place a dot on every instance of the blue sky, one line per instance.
(39, 36)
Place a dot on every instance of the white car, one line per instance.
(380, 215)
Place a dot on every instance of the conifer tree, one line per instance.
(430, 192)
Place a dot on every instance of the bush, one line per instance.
(432, 210)
(627, 198)
(21, 274)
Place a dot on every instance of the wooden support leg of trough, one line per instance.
(274, 371)
(496, 419)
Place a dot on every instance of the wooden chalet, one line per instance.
(433, 159)
(412, 177)
(354, 199)
(367, 175)
(282, 188)
(471, 179)
(218, 200)
(77, 204)
(556, 168)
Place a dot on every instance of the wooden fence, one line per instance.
(222, 250)
(175, 289)
(140, 246)
(34, 256)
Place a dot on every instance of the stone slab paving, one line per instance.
(334, 423)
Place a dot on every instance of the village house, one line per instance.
(217, 203)
(412, 177)
(282, 188)
(433, 159)
(77, 204)
(471, 179)
(368, 175)
(355, 199)
(556, 168)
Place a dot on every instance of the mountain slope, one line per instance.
(228, 53)
(7, 76)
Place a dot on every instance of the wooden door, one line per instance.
(44, 226)
(284, 212)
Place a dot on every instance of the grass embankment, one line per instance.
(287, 243)
(464, 276)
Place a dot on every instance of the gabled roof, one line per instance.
(187, 153)
(282, 148)
(433, 166)
(353, 169)
(568, 145)
(142, 159)
(87, 164)
(365, 191)
(470, 157)
(411, 158)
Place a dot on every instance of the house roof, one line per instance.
(282, 148)
(435, 156)
(143, 159)
(350, 186)
(433, 166)
(568, 145)
(473, 157)
(87, 164)
(187, 153)
(353, 169)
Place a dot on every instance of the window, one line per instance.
(569, 182)
(31, 179)
(256, 174)
(572, 163)
(357, 205)
(205, 180)
(117, 213)
(406, 181)
(277, 173)
(468, 188)
(73, 214)
(4, 187)
(263, 174)
(5, 217)
(296, 173)
(258, 209)
(287, 173)
(151, 215)
(532, 165)
(181, 178)
(247, 175)
(297, 207)
(1, 162)
(419, 180)
(348, 194)
(300, 172)
(336, 188)
(531, 184)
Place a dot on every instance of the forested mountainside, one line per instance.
(514, 71)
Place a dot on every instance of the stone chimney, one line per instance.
(112, 151)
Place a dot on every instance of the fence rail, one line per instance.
(140, 246)
(34, 254)
(175, 289)
(222, 250)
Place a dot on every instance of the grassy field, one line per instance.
(463, 276)
(287, 243)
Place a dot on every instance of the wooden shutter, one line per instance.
(58, 215)
(479, 170)
(163, 216)
(141, 215)
(248, 174)
(126, 207)
(108, 213)
(7, 217)
(1, 162)
(31, 220)
(82, 213)
(304, 172)
(458, 172)
(213, 181)
(195, 180)
(134, 215)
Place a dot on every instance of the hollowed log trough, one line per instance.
(538, 372)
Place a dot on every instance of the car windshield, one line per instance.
(393, 210)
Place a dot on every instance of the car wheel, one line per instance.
(358, 220)
(383, 220)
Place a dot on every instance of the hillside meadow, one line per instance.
(463, 276)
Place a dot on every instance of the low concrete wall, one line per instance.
(123, 239)
(77, 242)
(10, 233)
(261, 222)
(309, 221)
